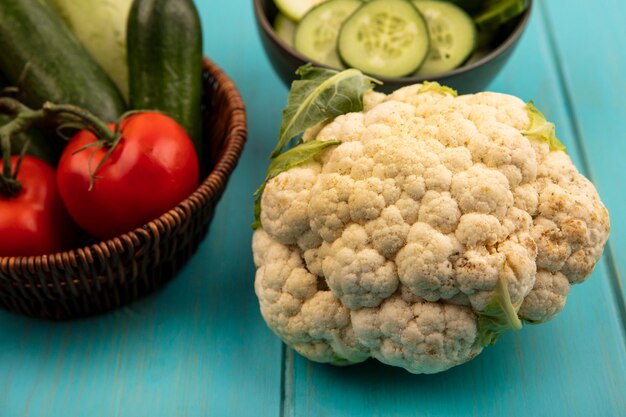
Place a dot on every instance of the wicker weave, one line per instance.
(107, 275)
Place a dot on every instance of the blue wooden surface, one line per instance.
(200, 347)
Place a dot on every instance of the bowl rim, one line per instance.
(208, 190)
(262, 18)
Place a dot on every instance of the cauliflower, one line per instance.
(435, 223)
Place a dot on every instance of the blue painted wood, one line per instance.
(593, 67)
(201, 348)
(574, 365)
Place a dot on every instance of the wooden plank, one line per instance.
(590, 50)
(574, 365)
(198, 348)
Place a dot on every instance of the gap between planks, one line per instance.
(608, 257)
(286, 381)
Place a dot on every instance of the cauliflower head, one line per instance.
(437, 222)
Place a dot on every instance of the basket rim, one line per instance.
(210, 188)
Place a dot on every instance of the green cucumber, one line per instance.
(387, 38)
(296, 9)
(44, 59)
(285, 28)
(165, 61)
(316, 34)
(452, 36)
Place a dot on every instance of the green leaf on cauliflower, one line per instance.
(436, 87)
(542, 130)
(295, 156)
(320, 95)
(499, 316)
(342, 353)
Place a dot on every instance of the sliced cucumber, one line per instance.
(285, 28)
(497, 12)
(387, 38)
(295, 9)
(316, 34)
(452, 36)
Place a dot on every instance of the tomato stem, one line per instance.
(79, 117)
(9, 186)
(61, 115)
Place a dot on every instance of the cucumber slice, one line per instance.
(387, 38)
(285, 28)
(497, 12)
(296, 9)
(316, 35)
(452, 36)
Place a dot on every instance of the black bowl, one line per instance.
(469, 78)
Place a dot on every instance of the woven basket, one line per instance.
(107, 275)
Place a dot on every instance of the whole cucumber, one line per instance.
(44, 59)
(165, 61)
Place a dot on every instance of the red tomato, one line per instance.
(152, 169)
(34, 221)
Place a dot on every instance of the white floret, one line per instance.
(477, 229)
(425, 265)
(482, 190)
(356, 273)
(388, 233)
(371, 99)
(346, 128)
(421, 337)
(547, 298)
(391, 244)
(328, 211)
(285, 201)
(440, 211)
